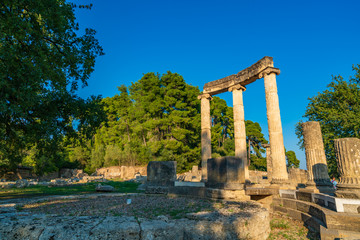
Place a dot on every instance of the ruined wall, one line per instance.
(297, 175)
(123, 172)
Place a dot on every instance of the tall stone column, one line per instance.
(317, 170)
(279, 174)
(239, 126)
(205, 133)
(348, 162)
(268, 161)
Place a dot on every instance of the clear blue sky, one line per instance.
(206, 40)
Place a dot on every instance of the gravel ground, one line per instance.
(144, 206)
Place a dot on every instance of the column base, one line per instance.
(279, 181)
(348, 191)
(322, 186)
(281, 184)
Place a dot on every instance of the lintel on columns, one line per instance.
(205, 95)
(244, 77)
(236, 87)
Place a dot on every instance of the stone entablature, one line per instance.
(244, 77)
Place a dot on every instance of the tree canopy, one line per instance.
(43, 59)
(338, 110)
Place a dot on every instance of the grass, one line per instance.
(279, 223)
(288, 229)
(33, 191)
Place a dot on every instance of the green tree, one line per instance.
(338, 110)
(292, 160)
(43, 58)
(156, 118)
(255, 138)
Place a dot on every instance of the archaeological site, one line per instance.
(232, 201)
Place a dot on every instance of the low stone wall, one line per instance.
(252, 223)
(258, 176)
(123, 172)
(298, 176)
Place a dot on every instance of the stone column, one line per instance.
(315, 154)
(279, 174)
(239, 126)
(205, 133)
(268, 161)
(317, 170)
(348, 161)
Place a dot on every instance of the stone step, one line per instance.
(309, 221)
(331, 234)
(330, 219)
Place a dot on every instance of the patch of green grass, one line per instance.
(280, 224)
(19, 207)
(120, 187)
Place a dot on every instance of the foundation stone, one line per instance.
(226, 173)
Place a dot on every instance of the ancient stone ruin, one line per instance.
(307, 197)
(236, 83)
(318, 178)
(348, 160)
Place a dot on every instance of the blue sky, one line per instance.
(207, 40)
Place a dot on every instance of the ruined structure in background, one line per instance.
(348, 161)
(236, 83)
(318, 177)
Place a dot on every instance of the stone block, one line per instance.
(226, 172)
(161, 173)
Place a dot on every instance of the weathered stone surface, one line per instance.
(225, 170)
(251, 223)
(298, 176)
(268, 161)
(348, 161)
(22, 183)
(315, 155)
(227, 194)
(123, 172)
(279, 173)
(104, 188)
(161, 173)
(239, 126)
(243, 77)
(205, 133)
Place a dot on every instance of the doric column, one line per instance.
(268, 161)
(348, 161)
(317, 170)
(239, 126)
(205, 133)
(279, 174)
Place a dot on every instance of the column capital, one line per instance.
(268, 71)
(236, 87)
(205, 95)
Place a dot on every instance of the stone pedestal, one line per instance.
(348, 161)
(279, 174)
(226, 173)
(268, 161)
(317, 170)
(205, 133)
(239, 126)
(160, 176)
